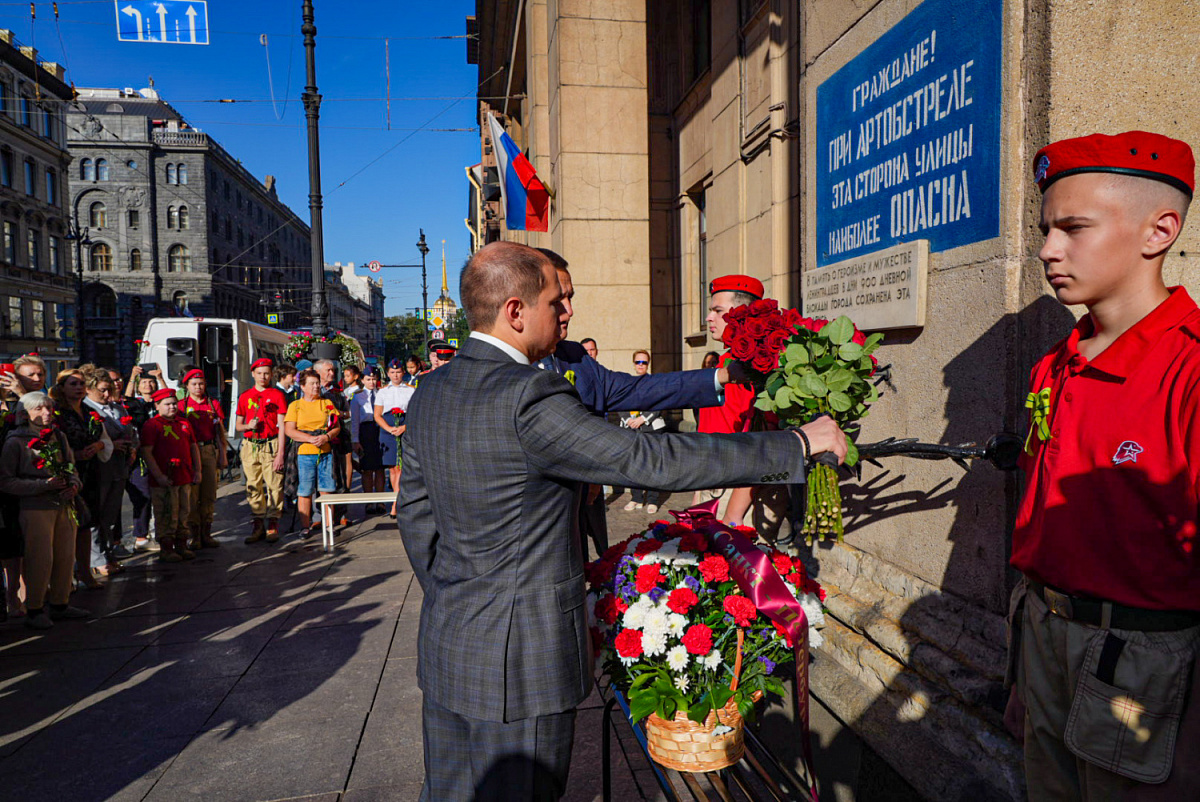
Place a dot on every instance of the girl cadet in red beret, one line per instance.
(1106, 624)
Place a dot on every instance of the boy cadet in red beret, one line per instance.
(1106, 621)
(259, 418)
(173, 460)
(208, 425)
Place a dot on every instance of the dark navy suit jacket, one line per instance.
(603, 390)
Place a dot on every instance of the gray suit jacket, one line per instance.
(493, 458)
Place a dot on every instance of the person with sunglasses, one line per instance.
(645, 423)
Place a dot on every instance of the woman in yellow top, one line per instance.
(313, 422)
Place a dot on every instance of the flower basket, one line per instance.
(716, 743)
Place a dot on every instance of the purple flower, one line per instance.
(656, 593)
(766, 633)
(659, 529)
(692, 583)
(728, 619)
(766, 661)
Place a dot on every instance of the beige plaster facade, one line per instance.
(646, 122)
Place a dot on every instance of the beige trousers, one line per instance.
(204, 495)
(264, 487)
(49, 555)
(171, 506)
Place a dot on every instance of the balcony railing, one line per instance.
(181, 138)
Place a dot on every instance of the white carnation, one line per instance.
(712, 661)
(654, 643)
(676, 624)
(811, 604)
(815, 638)
(682, 683)
(677, 658)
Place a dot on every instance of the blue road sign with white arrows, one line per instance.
(172, 22)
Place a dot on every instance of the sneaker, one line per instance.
(651, 509)
(141, 545)
(307, 532)
(633, 505)
(39, 620)
(345, 521)
(69, 613)
(119, 552)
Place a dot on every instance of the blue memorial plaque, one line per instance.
(175, 22)
(908, 135)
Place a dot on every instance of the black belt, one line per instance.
(1091, 611)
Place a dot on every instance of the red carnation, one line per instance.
(676, 530)
(714, 568)
(742, 610)
(40, 464)
(693, 541)
(646, 547)
(397, 411)
(629, 643)
(681, 600)
(95, 416)
(599, 572)
(649, 577)
(608, 608)
(783, 633)
(45, 433)
(782, 563)
(126, 420)
(697, 639)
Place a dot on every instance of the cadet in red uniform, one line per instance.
(173, 461)
(1107, 621)
(208, 424)
(259, 419)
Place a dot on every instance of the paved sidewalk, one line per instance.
(251, 673)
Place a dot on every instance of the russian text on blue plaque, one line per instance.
(174, 22)
(908, 135)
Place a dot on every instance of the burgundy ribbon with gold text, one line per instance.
(757, 578)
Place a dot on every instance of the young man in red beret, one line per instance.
(1107, 616)
(208, 425)
(173, 461)
(259, 419)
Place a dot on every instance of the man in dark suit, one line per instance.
(487, 513)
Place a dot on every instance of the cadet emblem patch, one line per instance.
(1127, 452)
(1043, 167)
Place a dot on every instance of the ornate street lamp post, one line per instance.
(80, 237)
(424, 249)
(312, 110)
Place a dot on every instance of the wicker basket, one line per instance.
(683, 745)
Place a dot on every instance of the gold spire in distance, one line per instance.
(445, 284)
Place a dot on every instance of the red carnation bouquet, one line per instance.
(804, 367)
(50, 457)
(664, 613)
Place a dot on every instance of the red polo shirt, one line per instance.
(205, 416)
(265, 405)
(170, 441)
(1111, 499)
(732, 416)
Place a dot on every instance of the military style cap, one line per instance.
(265, 362)
(736, 283)
(159, 395)
(442, 348)
(1136, 153)
(396, 364)
(195, 373)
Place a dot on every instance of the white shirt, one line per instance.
(392, 396)
(361, 410)
(503, 346)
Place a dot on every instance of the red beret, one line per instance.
(195, 373)
(1135, 153)
(265, 362)
(159, 395)
(747, 284)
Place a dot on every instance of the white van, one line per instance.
(223, 348)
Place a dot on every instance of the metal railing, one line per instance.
(180, 138)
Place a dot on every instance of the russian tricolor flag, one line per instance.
(526, 199)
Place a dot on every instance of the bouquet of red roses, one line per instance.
(51, 458)
(804, 367)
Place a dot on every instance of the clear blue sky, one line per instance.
(376, 214)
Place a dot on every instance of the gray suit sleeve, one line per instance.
(414, 515)
(562, 440)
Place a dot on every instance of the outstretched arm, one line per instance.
(604, 390)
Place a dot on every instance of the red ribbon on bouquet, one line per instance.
(757, 578)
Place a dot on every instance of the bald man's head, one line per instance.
(497, 272)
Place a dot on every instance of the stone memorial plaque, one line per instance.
(881, 290)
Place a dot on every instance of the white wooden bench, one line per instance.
(327, 501)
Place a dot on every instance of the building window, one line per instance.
(178, 259)
(131, 164)
(16, 318)
(53, 329)
(183, 173)
(102, 169)
(183, 217)
(26, 111)
(216, 224)
(228, 230)
(101, 258)
(37, 318)
(135, 218)
(5, 95)
(6, 167)
(225, 184)
(55, 263)
(701, 37)
(103, 302)
(171, 175)
(87, 170)
(98, 215)
(30, 178)
(51, 187)
(135, 259)
(172, 217)
(48, 123)
(33, 250)
(10, 242)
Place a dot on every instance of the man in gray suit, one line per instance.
(487, 510)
